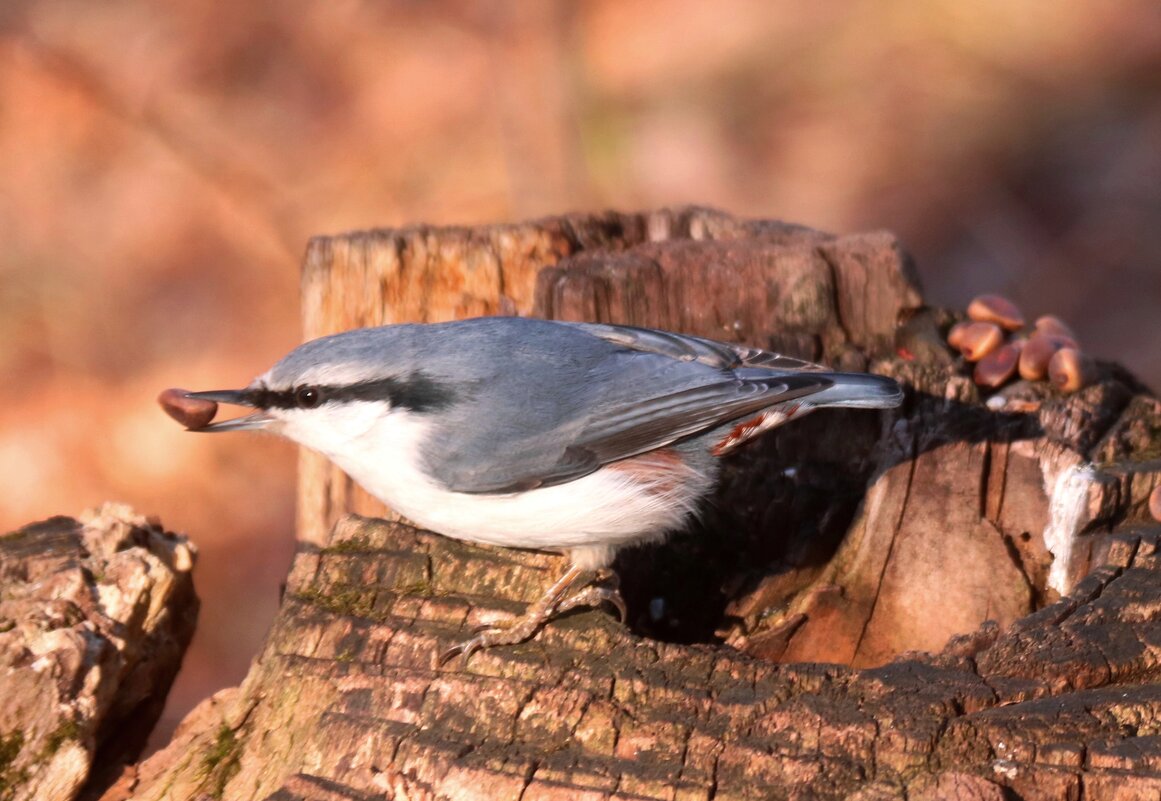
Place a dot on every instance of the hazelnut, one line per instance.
(1038, 352)
(998, 366)
(1070, 370)
(996, 309)
(1053, 325)
(190, 412)
(975, 340)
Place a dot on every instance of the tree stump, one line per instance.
(95, 614)
(344, 702)
(693, 270)
(1007, 542)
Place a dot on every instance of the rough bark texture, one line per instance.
(1007, 540)
(971, 515)
(95, 614)
(846, 537)
(344, 702)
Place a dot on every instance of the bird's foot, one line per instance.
(514, 633)
(555, 602)
(594, 597)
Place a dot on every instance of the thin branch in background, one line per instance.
(245, 191)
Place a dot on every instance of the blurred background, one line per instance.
(162, 166)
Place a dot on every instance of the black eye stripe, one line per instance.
(416, 392)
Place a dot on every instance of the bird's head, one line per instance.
(330, 391)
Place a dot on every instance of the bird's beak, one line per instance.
(236, 397)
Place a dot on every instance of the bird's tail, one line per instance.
(859, 391)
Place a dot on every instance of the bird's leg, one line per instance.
(555, 601)
(593, 595)
(524, 626)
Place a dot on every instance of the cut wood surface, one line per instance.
(952, 598)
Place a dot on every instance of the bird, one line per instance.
(577, 438)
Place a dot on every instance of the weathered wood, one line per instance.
(972, 515)
(889, 533)
(95, 614)
(344, 701)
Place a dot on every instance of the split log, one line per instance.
(95, 614)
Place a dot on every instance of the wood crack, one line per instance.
(887, 557)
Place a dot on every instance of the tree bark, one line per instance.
(345, 702)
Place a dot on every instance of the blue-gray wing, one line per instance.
(640, 390)
(686, 347)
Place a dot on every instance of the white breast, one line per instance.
(589, 517)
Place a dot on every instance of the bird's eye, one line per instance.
(307, 397)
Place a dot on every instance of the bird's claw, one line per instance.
(487, 636)
(465, 648)
(594, 597)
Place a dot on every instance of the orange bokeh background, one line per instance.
(162, 166)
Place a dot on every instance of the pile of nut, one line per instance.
(995, 338)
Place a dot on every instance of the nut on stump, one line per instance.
(996, 309)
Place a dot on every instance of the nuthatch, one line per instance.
(573, 437)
